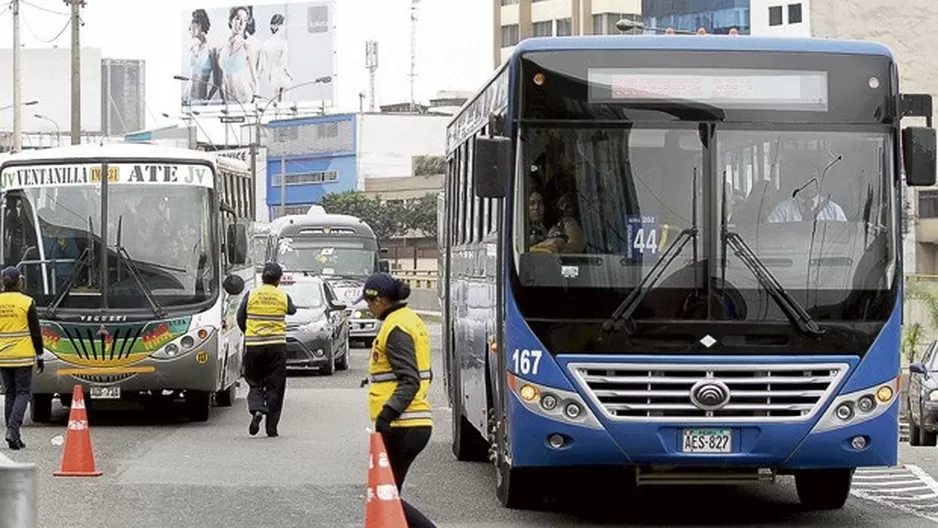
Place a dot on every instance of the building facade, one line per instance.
(123, 94)
(715, 16)
(516, 20)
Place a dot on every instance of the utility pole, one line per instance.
(17, 80)
(413, 51)
(76, 6)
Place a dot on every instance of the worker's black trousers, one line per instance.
(403, 444)
(265, 371)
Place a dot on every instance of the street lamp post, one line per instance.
(58, 131)
(17, 133)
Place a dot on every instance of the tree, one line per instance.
(924, 292)
(420, 215)
(384, 219)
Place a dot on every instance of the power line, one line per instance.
(40, 39)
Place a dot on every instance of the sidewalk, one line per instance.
(430, 317)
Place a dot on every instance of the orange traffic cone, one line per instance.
(78, 456)
(383, 507)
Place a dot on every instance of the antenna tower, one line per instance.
(413, 50)
(371, 63)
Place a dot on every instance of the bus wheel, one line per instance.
(225, 398)
(41, 408)
(824, 489)
(198, 404)
(468, 444)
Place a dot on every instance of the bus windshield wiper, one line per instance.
(621, 318)
(122, 255)
(799, 316)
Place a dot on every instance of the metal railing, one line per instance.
(17, 494)
(417, 279)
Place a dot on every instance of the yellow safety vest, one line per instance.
(16, 344)
(383, 381)
(266, 316)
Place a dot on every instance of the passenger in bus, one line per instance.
(806, 205)
(537, 231)
(566, 236)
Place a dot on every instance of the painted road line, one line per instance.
(908, 488)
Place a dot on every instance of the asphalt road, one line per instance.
(160, 471)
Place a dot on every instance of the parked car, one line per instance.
(318, 334)
(923, 399)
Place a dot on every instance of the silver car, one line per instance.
(318, 334)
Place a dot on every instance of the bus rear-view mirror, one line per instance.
(237, 244)
(491, 166)
(384, 266)
(233, 285)
(918, 152)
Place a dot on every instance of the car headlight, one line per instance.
(933, 396)
(183, 344)
(362, 314)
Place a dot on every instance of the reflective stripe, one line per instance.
(390, 376)
(14, 334)
(275, 318)
(17, 362)
(264, 340)
(417, 415)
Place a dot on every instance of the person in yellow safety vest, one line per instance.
(262, 317)
(20, 349)
(399, 375)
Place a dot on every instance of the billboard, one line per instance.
(256, 53)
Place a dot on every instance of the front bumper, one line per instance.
(196, 370)
(364, 328)
(308, 352)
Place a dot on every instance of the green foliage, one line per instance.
(926, 293)
(429, 165)
(910, 339)
(387, 220)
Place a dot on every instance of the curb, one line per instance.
(431, 317)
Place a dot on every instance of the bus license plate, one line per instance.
(105, 393)
(707, 441)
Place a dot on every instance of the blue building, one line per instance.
(715, 16)
(314, 156)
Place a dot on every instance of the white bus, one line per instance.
(137, 277)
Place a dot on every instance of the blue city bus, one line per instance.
(679, 258)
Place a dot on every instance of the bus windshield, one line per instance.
(165, 234)
(327, 256)
(607, 206)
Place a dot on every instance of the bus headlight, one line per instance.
(184, 344)
(858, 407)
(549, 402)
(933, 396)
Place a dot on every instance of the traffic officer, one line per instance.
(399, 374)
(20, 349)
(262, 318)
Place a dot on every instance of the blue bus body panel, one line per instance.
(784, 445)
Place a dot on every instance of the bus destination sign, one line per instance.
(741, 89)
(21, 177)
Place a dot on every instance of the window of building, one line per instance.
(509, 2)
(510, 35)
(305, 178)
(775, 15)
(564, 27)
(542, 29)
(296, 209)
(928, 204)
(794, 13)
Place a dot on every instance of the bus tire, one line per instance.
(468, 445)
(225, 398)
(824, 489)
(40, 407)
(198, 405)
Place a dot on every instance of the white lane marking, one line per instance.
(915, 496)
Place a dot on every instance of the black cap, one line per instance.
(378, 285)
(272, 272)
(10, 272)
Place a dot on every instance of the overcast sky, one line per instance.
(453, 43)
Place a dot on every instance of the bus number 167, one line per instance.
(526, 361)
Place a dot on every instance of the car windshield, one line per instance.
(602, 207)
(166, 233)
(304, 294)
(326, 256)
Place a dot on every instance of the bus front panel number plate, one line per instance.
(707, 441)
(105, 393)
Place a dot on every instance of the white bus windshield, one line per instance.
(327, 256)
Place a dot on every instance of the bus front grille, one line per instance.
(670, 392)
(92, 345)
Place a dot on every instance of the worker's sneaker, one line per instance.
(255, 423)
(15, 444)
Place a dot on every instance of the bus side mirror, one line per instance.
(233, 285)
(491, 166)
(384, 266)
(918, 153)
(237, 245)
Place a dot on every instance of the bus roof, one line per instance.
(129, 151)
(702, 43)
(290, 223)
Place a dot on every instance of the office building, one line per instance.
(715, 16)
(123, 96)
(516, 20)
